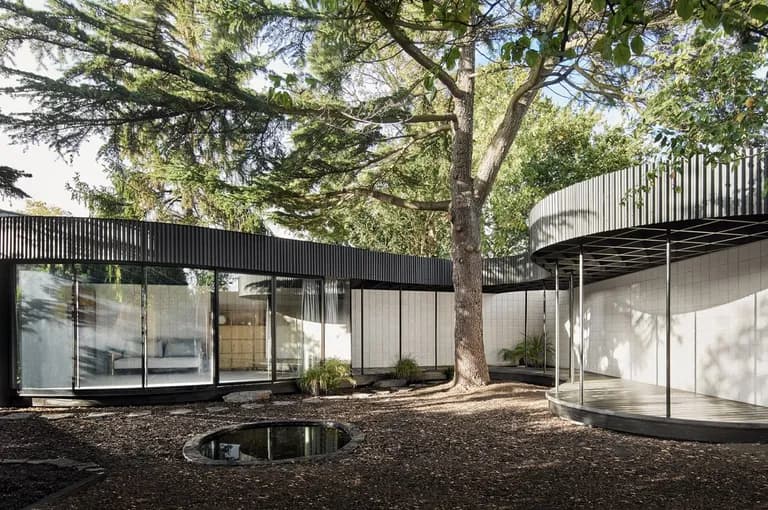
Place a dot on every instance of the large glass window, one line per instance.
(179, 326)
(45, 326)
(109, 326)
(245, 348)
(338, 331)
(298, 324)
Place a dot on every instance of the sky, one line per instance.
(50, 173)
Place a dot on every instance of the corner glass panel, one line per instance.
(298, 324)
(109, 339)
(45, 326)
(245, 344)
(338, 330)
(179, 326)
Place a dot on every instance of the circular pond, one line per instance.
(272, 442)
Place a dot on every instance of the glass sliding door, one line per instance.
(109, 342)
(45, 326)
(338, 331)
(179, 326)
(244, 316)
(298, 324)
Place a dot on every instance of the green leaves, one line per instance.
(598, 6)
(451, 57)
(621, 54)
(637, 45)
(531, 57)
(429, 7)
(759, 12)
(684, 9)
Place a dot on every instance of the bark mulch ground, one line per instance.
(495, 447)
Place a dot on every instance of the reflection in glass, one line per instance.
(245, 350)
(275, 442)
(45, 334)
(338, 330)
(179, 329)
(298, 325)
(109, 326)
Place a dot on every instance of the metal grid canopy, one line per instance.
(611, 254)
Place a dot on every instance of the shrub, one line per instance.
(530, 350)
(407, 369)
(326, 376)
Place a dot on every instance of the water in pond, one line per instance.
(275, 442)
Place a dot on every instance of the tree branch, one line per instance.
(507, 130)
(410, 48)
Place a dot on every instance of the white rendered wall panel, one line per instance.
(418, 309)
(381, 328)
(446, 319)
(356, 329)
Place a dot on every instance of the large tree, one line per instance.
(194, 83)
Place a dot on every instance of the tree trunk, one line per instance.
(471, 368)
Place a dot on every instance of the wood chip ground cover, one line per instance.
(495, 447)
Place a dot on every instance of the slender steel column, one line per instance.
(400, 331)
(571, 373)
(581, 325)
(75, 330)
(215, 326)
(525, 330)
(362, 331)
(272, 302)
(557, 326)
(435, 330)
(544, 320)
(322, 317)
(669, 324)
(144, 328)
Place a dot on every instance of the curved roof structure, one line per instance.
(621, 220)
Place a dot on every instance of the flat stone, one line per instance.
(252, 405)
(138, 414)
(100, 415)
(57, 416)
(390, 383)
(312, 400)
(16, 416)
(179, 412)
(433, 375)
(239, 397)
(216, 409)
(63, 462)
(283, 402)
(360, 380)
(361, 395)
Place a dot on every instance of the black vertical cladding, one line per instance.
(126, 241)
(7, 314)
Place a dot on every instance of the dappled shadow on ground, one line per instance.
(496, 447)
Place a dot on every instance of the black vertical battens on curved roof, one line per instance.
(32, 238)
(633, 198)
